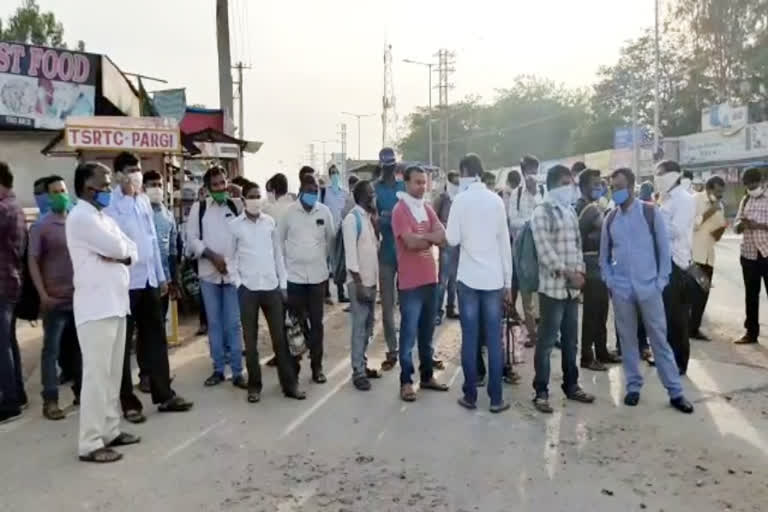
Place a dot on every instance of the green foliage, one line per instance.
(29, 25)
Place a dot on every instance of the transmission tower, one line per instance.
(343, 139)
(389, 134)
(446, 60)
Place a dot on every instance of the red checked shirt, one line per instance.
(754, 241)
(13, 233)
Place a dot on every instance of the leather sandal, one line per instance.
(102, 456)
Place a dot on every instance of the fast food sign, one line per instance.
(144, 135)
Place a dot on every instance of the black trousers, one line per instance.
(271, 304)
(753, 271)
(70, 358)
(146, 316)
(594, 333)
(677, 307)
(308, 300)
(699, 298)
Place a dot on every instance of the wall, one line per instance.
(21, 150)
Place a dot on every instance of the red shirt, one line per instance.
(414, 268)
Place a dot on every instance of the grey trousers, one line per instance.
(388, 286)
(362, 318)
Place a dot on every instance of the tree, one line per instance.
(29, 25)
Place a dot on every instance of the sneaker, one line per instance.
(51, 411)
(541, 403)
(579, 395)
(631, 399)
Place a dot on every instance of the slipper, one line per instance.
(434, 385)
(175, 404)
(388, 364)
(102, 456)
(124, 439)
(495, 409)
(134, 416)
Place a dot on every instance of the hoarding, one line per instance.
(712, 146)
(723, 117)
(41, 87)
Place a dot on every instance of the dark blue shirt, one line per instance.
(386, 199)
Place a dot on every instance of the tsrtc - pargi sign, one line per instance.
(140, 134)
(41, 87)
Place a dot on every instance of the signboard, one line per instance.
(224, 150)
(713, 146)
(41, 87)
(623, 137)
(723, 117)
(171, 103)
(143, 135)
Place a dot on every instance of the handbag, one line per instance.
(698, 276)
(294, 334)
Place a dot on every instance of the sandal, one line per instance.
(124, 439)
(467, 404)
(407, 394)
(433, 385)
(102, 456)
(254, 397)
(388, 364)
(134, 416)
(579, 395)
(503, 406)
(175, 404)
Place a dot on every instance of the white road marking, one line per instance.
(189, 442)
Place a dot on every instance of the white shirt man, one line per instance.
(308, 238)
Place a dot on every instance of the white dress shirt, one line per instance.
(528, 202)
(277, 209)
(101, 287)
(259, 264)
(478, 224)
(678, 208)
(217, 237)
(307, 239)
(361, 252)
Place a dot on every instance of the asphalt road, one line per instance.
(343, 450)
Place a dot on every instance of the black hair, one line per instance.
(305, 170)
(214, 170)
(268, 185)
(40, 182)
(83, 173)
(240, 181)
(152, 175)
(410, 170)
(628, 175)
(752, 175)
(577, 167)
(555, 174)
(360, 187)
(353, 180)
(529, 163)
(6, 176)
(586, 176)
(279, 184)
(688, 174)
(669, 166)
(247, 186)
(307, 179)
(472, 164)
(715, 181)
(332, 169)
(123, 160)
(52, 179)
(489, 178)
(514, 173)
(452, 174)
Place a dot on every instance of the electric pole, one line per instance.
(225, 58)
(343, 135)
(389, 120)
(445, 67)
(240, 120)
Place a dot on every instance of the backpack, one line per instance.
(204, 206)
(649, 212)
(520, 194)
(526, 258)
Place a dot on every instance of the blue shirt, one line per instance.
(335, 199)
(136, 219)
(386, 199)
(631, 271)
(165, 227)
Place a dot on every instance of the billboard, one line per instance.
(141, 134)
(723, 117)
(40, 87)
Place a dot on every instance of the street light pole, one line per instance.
(428, 65)
(656, 109)
(358, 116)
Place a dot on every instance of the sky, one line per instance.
(312, 60)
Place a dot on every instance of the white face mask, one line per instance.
(254, 206)
(665, 182)
(271, 197)
(756, 192)
(561, 195)
(136, 179)
(155, 195)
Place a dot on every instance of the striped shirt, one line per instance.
(755, 240)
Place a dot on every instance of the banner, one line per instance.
(171, 103)
(713, 146)
(143, 135)
(723, 117)
(41, 87)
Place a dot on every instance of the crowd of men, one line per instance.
(103, 266)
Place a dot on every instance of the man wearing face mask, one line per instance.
(131, 210)
(707, 231)
(335, 198)
(556, 233)
(679, 211)
(635, 264)
(262, 282)
(211, 242)
(752, 222)
(51, 270)
(594, 335)
(449, 256)
(101, 256)
(306, 235)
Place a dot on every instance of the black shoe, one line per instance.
(144, 386)
(318, 377)
(240, 382)
(579, 395)
(344, 300)
(745, 340)
(64, 378)
(481, 382)
(632, 399)
(295, 394)
(8, 416)
(254, 397)
(452, 314)
(272, 363)
(215, 379)
(202, 331)
(700, 336)
(682, 405)
(362, 383)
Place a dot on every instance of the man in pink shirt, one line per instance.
(416, 229)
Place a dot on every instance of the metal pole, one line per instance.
(225, 58)
(429, 115)
(635, 145)
(656, 109)
(241, 123)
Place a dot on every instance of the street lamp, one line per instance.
(428, 65)
(358, 116)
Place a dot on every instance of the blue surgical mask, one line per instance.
(308, 199)
(43, 203)
(596, 193)
(620, 196)
(103, 198)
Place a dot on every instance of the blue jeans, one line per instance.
(12, 395)
(651, 311)
(362, 318)
(417, 320)
(54, 324)
(476, 308)
(449, 264)
(222, 308)
(557, 316)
